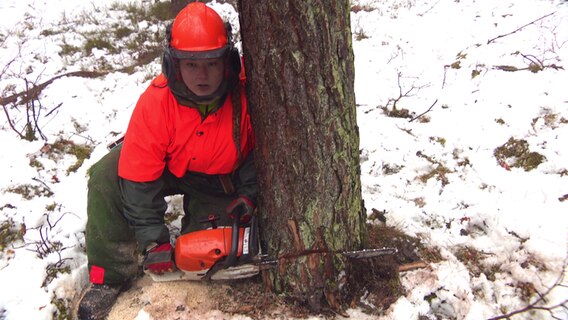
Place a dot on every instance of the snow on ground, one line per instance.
(501, 231)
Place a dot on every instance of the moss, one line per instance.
(440, 173)
(63, 146)
(475, 73)
(82, 152)
(456, 65)
(10, 232)
(30, 132)
(62, 309)
(398, 113)
(516, 153)
(530, 161)
(28, 191)
(439, 140)
(34, 163)
(500, 121)
(53, 270)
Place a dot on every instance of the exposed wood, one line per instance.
(412, 266)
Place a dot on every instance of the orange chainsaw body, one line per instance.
(200, 250)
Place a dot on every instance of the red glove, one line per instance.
(241, 206)
(158, 258)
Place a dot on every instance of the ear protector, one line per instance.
(233, 58)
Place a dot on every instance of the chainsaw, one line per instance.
(230, 253)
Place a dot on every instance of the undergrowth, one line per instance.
(516, 153)
(30, 191)
(57, 150)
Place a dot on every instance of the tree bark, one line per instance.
(300, 74)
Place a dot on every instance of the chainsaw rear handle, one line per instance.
(232, 257)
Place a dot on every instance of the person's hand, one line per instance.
(241, 207)
(159, 258)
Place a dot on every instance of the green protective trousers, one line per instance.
(112, 249)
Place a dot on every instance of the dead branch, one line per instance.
(33, 92)
(5, 69)
(533, 67)
(425, 112)
(520, 28)
(431, 7)
(54, 109)
(10, 123)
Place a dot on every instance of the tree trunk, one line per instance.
(300, 74)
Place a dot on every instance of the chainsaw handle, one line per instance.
(232, 257)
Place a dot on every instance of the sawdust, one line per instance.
(165, 300)
(189, 300)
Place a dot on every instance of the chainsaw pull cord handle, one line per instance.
(232, 257)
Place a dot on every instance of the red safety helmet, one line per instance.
(198, 32)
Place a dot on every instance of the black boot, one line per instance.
(97, 301)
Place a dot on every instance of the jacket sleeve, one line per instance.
(144, 209)
(245, 179)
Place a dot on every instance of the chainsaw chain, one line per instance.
(265, 263)
(369, 253)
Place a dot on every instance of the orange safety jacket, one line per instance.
(164, 133)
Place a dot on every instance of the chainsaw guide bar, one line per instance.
(259, 263)
(356, 254)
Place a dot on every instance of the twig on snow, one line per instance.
(425, 112)
(519, 29)
(542, 298)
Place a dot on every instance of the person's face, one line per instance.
(202, 77)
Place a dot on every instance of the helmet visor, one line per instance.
(198, 55)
